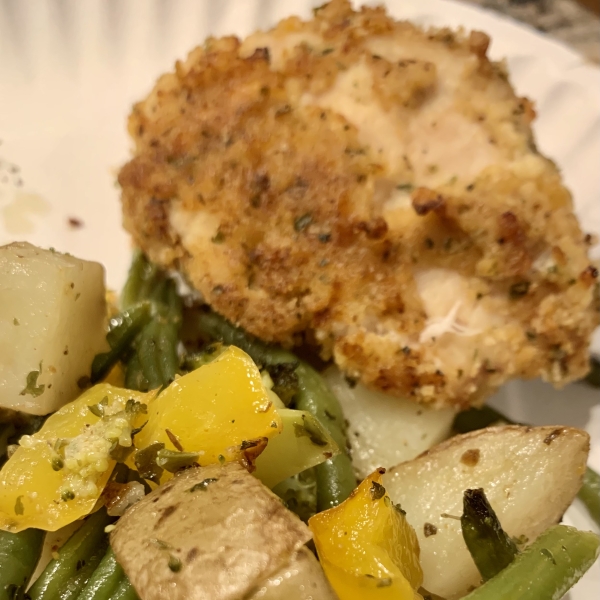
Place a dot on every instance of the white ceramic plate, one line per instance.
(70, 70)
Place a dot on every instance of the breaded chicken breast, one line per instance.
(372, 187)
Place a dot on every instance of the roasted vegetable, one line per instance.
(124, 591)
(56, 475)
(530, 475)
(301, 579)
(211, 532)
(302, 444)
(19, 555)
(335, 477)
(589, 494)
(478, 418)
(366, 546)
(214, 413)
(473, 419)
(52, 323)
(104, 580)
(149, 347)
(123, 329)
(156, 347)
(593, 377)
(384, 430)
(546, 570)
(491, 548)
(66, 575)
(299, 493)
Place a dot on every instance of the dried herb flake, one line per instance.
(32, 388)
(203, 485)
(19, 508)
(301, 223)
(377, 491)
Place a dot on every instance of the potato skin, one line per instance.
(211, 532)
(301, 579)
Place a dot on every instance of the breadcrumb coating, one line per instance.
(371, 187)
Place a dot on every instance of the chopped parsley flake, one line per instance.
(173, 461)
(19, 508)
(301, 223)
(32, 388)
(311, 430)
(174, 564)
(203, 485)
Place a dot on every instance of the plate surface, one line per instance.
(70, 70)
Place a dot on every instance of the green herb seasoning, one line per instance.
(31, 387)
(145, 462)
(301, 223)
(312, 430)
(174, 564)
(203, 485)
(19, 508)
(173, 461)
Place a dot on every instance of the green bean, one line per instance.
(7, 430)
(335, 481)
(473, 419)
(156, 346)
(215, 328)
(299, 493)
(29, 424)
(141, 278)
(315, 397)
(124, 328)
(104, 580)
(489, 545)
(19, 555)
(593, 377)
(545, 570)
(148, 355)
(124, 591)
(66, 575)
(166, 346)
(134, 378)
(174, 304)
(589, 494)
(153, 277)
(478, 418)
(335, 477)
(153, 364)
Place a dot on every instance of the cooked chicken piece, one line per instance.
(361, 183)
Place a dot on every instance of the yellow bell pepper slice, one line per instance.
(57, 475)
(215, 411)
(367, 548)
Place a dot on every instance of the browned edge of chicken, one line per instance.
(371, 187)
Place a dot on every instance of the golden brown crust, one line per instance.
(255, 178)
